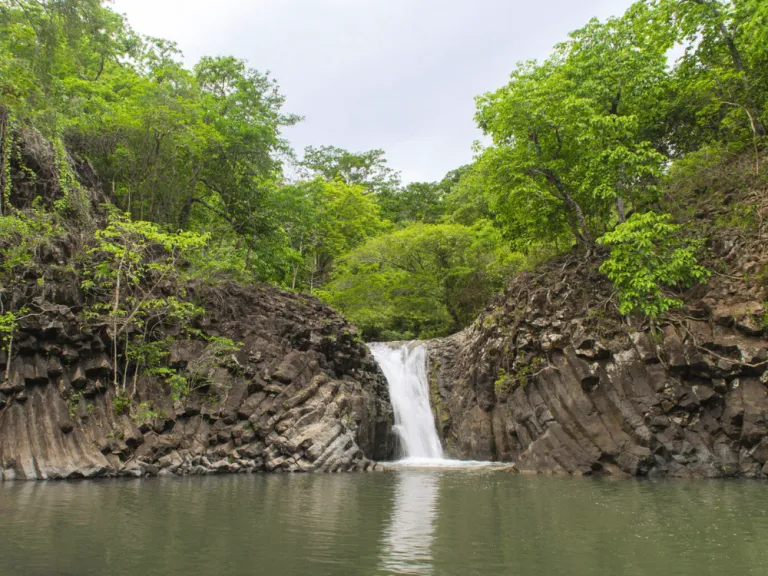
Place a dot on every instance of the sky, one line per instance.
(400, 75)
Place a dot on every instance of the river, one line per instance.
(440, 522)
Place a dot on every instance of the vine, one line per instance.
(6, 144)
(74, 197)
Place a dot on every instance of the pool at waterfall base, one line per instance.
(409, 521)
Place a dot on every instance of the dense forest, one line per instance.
(586, 150)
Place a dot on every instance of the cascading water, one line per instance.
(405, 368)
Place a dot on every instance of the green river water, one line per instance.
(438, 522)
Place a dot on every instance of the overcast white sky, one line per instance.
(394, 74)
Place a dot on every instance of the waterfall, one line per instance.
(405, 368)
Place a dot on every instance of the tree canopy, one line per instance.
(422, 280)
(580, 145)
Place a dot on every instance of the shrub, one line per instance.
(649, 253)
(524, 374)
(121, 404)
(503, 382)
(144, 413)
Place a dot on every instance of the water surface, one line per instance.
(437, 521)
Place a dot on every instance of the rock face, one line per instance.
(549, 378)
(301, 394)
(552, 377)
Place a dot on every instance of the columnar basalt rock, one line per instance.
(550, 379)
(302, 394)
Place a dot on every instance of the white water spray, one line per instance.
(405, 368)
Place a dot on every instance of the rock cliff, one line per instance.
(553, 378)
(300, 392)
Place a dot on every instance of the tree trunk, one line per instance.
(572, 208)
(312, 277)
(584, 237)
(574, 226)
(296, 266)
(10, 355)
(158, 141)
(738, 65)
(620, 208)
(185, 212)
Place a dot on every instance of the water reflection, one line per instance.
(324, 525)
(411, 532)
(424, 522)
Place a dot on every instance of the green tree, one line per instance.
(417, 201)
(649, 255)
(570, 145)
(52, 56)
(423, 280)
(240, 167)
(127, 272)
(323, 221)
(722, 71)
(368, 169)
(193, 148)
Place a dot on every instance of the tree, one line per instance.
(189, 147)
(367, 169)
(649, 254)
(323, 221)
(55, 48)
(492, 189)
(725, 55)
(128, 269)
(416, 202)
(149, 141)
(239, 168)
(570, 134)
(424, 280)
(51, 55)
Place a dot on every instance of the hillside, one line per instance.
(553, 377)
(194, 377)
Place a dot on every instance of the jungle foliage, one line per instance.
(582, 146)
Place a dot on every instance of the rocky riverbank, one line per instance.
(553, 378)
(266, 380)
(301, 394)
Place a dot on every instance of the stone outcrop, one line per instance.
(301, 394)
(553, 378)
(546, 380)
(690, 401)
